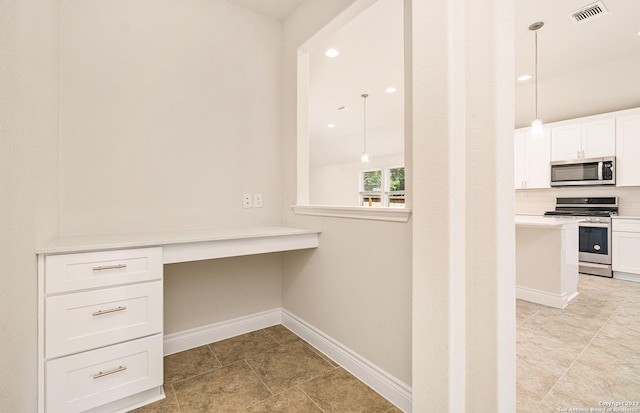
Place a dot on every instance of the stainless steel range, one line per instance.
(594, 228)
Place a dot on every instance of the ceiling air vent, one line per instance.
(588, 13)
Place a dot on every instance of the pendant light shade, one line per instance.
(536, 126)
(365, 155)
(536, 129)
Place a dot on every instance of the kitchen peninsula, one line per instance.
(546, 259)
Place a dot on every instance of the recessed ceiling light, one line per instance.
(331, 53)
(390, 89)
(331, 125)
(524, 77)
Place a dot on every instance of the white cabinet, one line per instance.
(101, 320)
(531, 159)
(625, 245)
(582, 140)
(628, 150)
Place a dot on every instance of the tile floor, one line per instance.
(583, 355)
(577, 357)
(269, 370)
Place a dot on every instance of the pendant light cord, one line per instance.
(536, 71)
(364, 98)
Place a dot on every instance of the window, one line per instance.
(382, 189)
(395, 190)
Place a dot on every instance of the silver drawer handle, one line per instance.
(109, 267)
(106, 373)
(111, 310)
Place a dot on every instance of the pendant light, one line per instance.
(536, 126)
(365, 154)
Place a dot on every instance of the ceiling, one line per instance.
(583, 69)
(275, 9)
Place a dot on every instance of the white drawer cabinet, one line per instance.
(72, 272)
(625, 245)
(93, 378)
(90, 319)
(101, 319)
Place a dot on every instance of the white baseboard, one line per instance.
(619, 275)
(545, 298)
(394, 390)
(196, 337)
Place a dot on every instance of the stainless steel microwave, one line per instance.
(593, 171)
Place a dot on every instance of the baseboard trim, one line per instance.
(619, 275)
(196, 337)
(394, 390)
(545, 298)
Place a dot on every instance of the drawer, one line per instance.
(73, 272)
(91, 319)
(93, 378)
(625, 225)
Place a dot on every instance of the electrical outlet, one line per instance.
(247, 202)
(257, 200)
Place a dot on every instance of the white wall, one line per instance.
(169, 111)
(357, 286)
(28, 185)
(339, 184)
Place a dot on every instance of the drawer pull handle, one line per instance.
(111, 310)
(109, 267)
(106, 373)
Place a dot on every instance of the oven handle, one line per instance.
(593, 225)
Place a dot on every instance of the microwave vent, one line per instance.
(587, 13)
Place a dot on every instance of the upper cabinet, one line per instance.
(531, 162)
(628, 150)
(582, 140)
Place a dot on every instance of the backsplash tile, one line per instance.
(537, 201)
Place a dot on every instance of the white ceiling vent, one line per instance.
(587, 13)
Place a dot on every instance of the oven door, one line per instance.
(595, 242)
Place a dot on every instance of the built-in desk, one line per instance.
(100, 307)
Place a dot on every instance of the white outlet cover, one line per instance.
(247, 202)
(257, 200)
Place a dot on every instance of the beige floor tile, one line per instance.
(167, 405)
(189, 363)
(228, 389)
(535, 378)
(535, 345)
(526, 405)
(340, 392)
(288, 366)
(525, 309)
(293, 400)
(242, 347)
(586, 385)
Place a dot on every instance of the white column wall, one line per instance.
(463, 233)
(28, 185)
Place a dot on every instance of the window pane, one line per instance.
(396, 200)
(371, 200)
(396, 179)
(372, 180)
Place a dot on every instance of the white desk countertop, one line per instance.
(191, 245)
